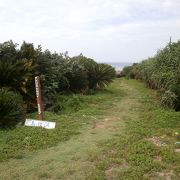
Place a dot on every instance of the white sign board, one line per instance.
(37, 123)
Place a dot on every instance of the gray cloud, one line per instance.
(106, 30)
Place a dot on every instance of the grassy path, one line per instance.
(115, 144)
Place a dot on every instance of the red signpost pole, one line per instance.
(38, 96)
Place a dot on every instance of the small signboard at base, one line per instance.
(38, 123)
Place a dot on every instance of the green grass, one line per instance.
(109, 137)
(16, 142)
(148, 119)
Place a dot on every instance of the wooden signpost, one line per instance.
(39, 123)
(39, 98)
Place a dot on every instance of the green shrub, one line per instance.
(71, 103)
(106, 74)
(58, 72)
(77, 76)
(127, 71)
(99, 75)
(168, 98)
(11, 108)
(161, 72)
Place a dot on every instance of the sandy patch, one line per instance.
(106, 123)
(177, 150)
(114, 170)
(158, 159)
(166, 175)
(157, 141)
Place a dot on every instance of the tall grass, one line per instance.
(161, 72)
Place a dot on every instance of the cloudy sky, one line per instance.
(106, 30)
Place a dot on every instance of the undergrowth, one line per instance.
(72, 113)
(131, 155)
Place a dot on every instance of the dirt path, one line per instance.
(73, 159)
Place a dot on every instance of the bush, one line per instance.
(77, 76)
(58, 72)
(99, 75)
(11, 108)
(71, 103)
(168, 98)
(161, 72)
(105, 75)
(127, 71)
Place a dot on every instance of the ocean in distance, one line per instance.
(119, 65)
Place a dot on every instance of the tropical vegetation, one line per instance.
(59, 73)
(161, 72)
(121, 132)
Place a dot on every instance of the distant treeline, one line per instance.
(59, 73)
(161, 72)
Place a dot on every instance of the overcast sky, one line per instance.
(106, 30)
